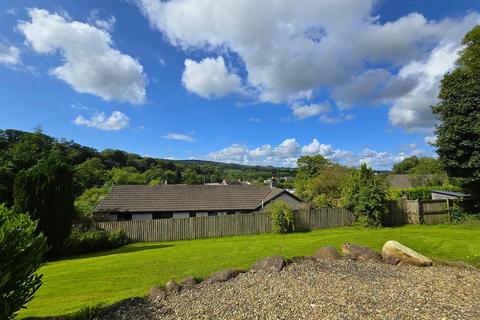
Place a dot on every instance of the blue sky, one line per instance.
(244, 82)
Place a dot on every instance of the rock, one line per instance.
(356, 252)
(274, 263)
(221, 276)
(157, 294)
(390, 259)
(301, 259)
(327, 253)
(188, 282)
(172, 287)
(405, 254)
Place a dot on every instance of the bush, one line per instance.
(282, 217)
(365, 196)
(93, 241)
(417, 193)
(21, 253)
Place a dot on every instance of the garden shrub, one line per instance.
(281, 214)
(417, 193)
(21, 253)
(93, 241)
(365, 196)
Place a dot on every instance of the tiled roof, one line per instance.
(182, 198)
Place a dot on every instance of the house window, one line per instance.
(212, 213)
(162, 215)
(124, 216)
(192, 215)
(230, 212)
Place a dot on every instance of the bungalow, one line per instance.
(144, 202)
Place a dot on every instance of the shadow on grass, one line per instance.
(125, 249)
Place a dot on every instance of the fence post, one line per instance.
(420, 212)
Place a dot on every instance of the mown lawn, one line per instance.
(130, 271)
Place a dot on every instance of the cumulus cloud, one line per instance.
(91, 65)
(179, 137)
(311, 110)
(412, 111)
(210, 78)
(116, 121)
(9, 55)
(106, 24)
(287, 152)
(292, 51)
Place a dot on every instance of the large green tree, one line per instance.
(458, 134)
(45, 191)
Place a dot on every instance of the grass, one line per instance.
(106, 277)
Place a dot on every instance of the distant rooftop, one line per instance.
(451, 193)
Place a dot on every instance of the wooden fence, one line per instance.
(417, 212)
(221, 226)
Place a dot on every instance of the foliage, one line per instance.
(90, 173)
(21, 253)
(128, 175)
(457, 213)
(281, 214)
(418, 166)
(93, 241)
(45, 191)
(365, 196)
(189, 176)
(458, 133)
(131, 270)
(310, 166)
(320, 181)
(417, 193)
(85, 204)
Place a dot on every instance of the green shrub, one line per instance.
(417, 193)
(21, 253)
(93, 241)
(282, 217)
(365, 196)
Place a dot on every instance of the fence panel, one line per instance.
(220, 226)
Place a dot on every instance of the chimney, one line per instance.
(166, 182)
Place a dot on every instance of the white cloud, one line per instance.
(291, 51)
(316, 147)
(255, 120)
(210, 78)
(412, 110)
(179, 137)
(430, 139)
(305, 111)
(287, 153)
(335, 119)
(91, 64)
(9, 55)
(116, 121)
(106, 24)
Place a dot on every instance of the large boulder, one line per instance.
(327, 253)
(360, 253)
(188, 282)
(404, 254)
(221, 276)
(273, 263)
(157, 294)
(172, 287)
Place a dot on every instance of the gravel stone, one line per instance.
(273, 263)
(327, 289)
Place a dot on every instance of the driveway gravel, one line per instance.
(326, 289)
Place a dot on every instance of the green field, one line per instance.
(130, 271)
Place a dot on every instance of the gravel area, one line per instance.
(326, 289)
